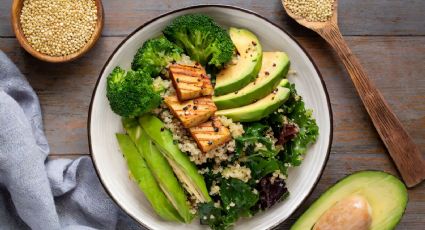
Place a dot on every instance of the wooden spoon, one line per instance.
(400, 145)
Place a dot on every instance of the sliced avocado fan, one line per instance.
(243, 68)
(274, 67)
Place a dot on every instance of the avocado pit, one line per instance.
(350, 213)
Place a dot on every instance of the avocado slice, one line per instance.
(145, 180)
(274, 67)
(159, 167)
(260, 109)
(386, 195)
(246, 66)
(185, 170)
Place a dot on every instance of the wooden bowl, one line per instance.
(16, 25)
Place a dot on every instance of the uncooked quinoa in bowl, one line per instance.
(208, 123)
(57, 30)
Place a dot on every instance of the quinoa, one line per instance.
(185, 60)
(270, 134)
(277, 174)
(236, 129)
(56, 27)
(311, 10)
(215, 189)
(237, 171)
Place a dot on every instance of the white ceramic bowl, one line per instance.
(103, 123)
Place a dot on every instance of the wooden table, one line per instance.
(388, 36)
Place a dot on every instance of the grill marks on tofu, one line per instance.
(193, 112)
(190, 81)
(210, 135)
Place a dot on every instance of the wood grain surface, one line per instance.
(388, 37)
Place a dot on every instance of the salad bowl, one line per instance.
(103, 123)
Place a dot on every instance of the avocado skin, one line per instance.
(245, 73)
(394, 185)
(251, 93)
(258, 110)
(145, 180)
(163, 140)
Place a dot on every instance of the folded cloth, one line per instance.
(40, 194)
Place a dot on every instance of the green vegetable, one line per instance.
(155, 55)
(184, 169)
(131, 94)
(255, 133)
(160, 169)
(145, 180)
(261, 167)
(202, 39)
(296, 112)
(237, 199)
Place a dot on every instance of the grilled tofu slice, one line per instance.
(190, 81)
(192, 112)
(210, 135)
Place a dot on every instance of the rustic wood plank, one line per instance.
(360, 17)
(393, 63)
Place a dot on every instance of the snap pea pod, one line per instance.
(160, 168)
(185, 170)
(146, 181)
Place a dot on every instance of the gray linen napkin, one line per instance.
(40, 194)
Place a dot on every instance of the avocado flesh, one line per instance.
(386, 195)
(245, 68)
(159, 167)
(185, 170)
(274, 67)
(258, 110)
(145, 180)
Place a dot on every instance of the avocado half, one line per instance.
(274, 67)
(245, 68)
(386, 195)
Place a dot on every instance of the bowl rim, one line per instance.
(196, 7)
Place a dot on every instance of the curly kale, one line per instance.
(202, 39)
(131, 94)
(155, 55)
(294, 109)
(237, 200)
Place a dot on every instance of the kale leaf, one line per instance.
(255, 134)
(295, 111)
(237, 200)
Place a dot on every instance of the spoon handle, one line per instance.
(400, 145)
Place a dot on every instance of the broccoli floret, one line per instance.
(202, 39)
(155, 55)
(131, 94)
